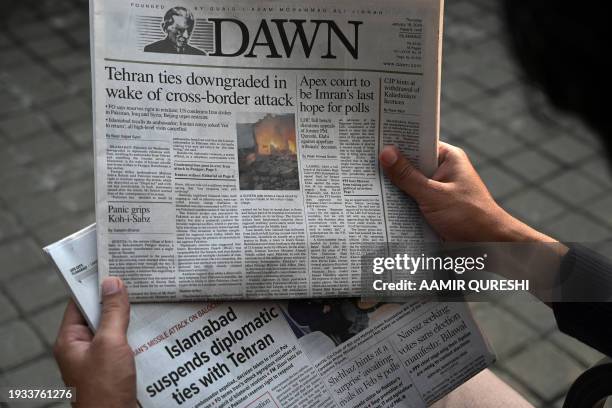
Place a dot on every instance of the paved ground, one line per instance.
(544, 167)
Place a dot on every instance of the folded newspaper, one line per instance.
(237, 142)
(300, 353)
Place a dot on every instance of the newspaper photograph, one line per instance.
(300, 353)
(236, 145)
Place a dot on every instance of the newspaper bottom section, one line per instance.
(300, 353)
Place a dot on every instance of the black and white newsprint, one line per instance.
(302, 353)
(237, 142)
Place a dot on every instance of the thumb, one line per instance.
(115, 309)
(404, 174)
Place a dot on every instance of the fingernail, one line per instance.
(388, 156)
(110, 286)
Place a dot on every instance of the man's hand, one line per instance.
(455, 201)
(100, 367)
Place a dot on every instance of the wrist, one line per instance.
(543, 268)
(510, 229)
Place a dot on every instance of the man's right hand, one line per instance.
(100, 367)
(455, 202)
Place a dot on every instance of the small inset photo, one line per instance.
(267, 152)
(177, 25)
(323, 324)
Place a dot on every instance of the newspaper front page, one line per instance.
(236, 143)
(301, 353)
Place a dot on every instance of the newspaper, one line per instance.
(236, 143)
(300, 353)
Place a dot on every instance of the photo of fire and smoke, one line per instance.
(267, 152)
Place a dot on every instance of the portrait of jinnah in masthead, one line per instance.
(178, 26)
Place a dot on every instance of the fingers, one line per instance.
(403, 173)
(72, 329)
(452, 154)
(444, 149)
(115, 310)
(453, 164)
(72, 316)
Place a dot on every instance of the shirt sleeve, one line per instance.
(586, 276)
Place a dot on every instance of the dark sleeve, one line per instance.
(585, 275)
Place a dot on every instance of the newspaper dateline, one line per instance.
(236, 146)
(298, 353)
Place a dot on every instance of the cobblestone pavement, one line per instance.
(544, 167)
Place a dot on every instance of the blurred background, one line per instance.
(544, 166)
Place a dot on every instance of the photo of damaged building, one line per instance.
(267, 152)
